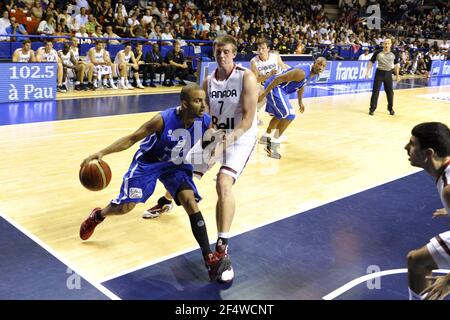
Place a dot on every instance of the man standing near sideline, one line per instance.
(387, 60)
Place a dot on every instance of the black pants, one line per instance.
(152, 69)
(384, 77)
(174, 71)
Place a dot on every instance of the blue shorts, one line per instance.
(139, 181)
(279, 106)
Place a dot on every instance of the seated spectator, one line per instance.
(4, 23)
(366, 55)
(110, 34)
(37, 11)
(60, 32)
(16, 29)
(47, 28)
(91, 24)
(177, 65)
(82, 34)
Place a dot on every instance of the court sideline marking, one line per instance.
(349, 285)
(97, 285)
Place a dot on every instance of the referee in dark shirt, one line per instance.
(387, 60)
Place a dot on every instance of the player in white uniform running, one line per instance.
(232, 93)
(103, 66)
(48, 54)
(24, 54)
(429, 148)
(123, 65)
(264, 65)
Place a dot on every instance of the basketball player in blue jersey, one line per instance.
(160, 157)
(231, 98)
(277, 89)
(429, 148)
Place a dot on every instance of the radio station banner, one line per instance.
(335, 72)
(440, 68)
(27, 82)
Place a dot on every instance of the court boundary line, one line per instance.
(63, 260)
(353, 283)
(313, 204)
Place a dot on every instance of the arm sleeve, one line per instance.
(374, 56)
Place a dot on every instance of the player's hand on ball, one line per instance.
(94, 156)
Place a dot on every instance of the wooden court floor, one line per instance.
(334, 149)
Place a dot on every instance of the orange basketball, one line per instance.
(96, 175)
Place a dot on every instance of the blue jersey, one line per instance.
(174, 138)
(293, 86)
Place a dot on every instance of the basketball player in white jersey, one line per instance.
(48, 54)
(103, 66)
(264, 65)
(69, 62)
(232, 93)
(429, 148)
(123, 65)
(24, 54)
(88, 67)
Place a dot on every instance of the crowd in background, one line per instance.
(292, 26)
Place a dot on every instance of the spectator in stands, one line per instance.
(110, 34)
(4, 23)
(166, 35)
(177, 65)
(60, 32)
(47, 28)
(120, 24)
(24, 54)
(16, 29)
(366, 55)
(37, 11)
(91, 24)
(120, 9)
(155, 64)
(82, 17)
(146, 18)
(108, 17)
(82, 34)
(155, 34)
(98, 33)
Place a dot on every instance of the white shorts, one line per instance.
(101, 70)
(439, 248)
(234, 162)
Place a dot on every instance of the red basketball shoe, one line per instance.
(224, 271)
(157, 210)
(88, 225)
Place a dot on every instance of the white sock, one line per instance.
(111, 81)
(77, 82)
(104, 82)
(122, 81)
(265, 134)
(138, 81)
(415, 296)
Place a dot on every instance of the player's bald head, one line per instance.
(187, 90)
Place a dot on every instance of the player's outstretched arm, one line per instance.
(292, 75)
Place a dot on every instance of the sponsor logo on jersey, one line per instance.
(227, 125)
